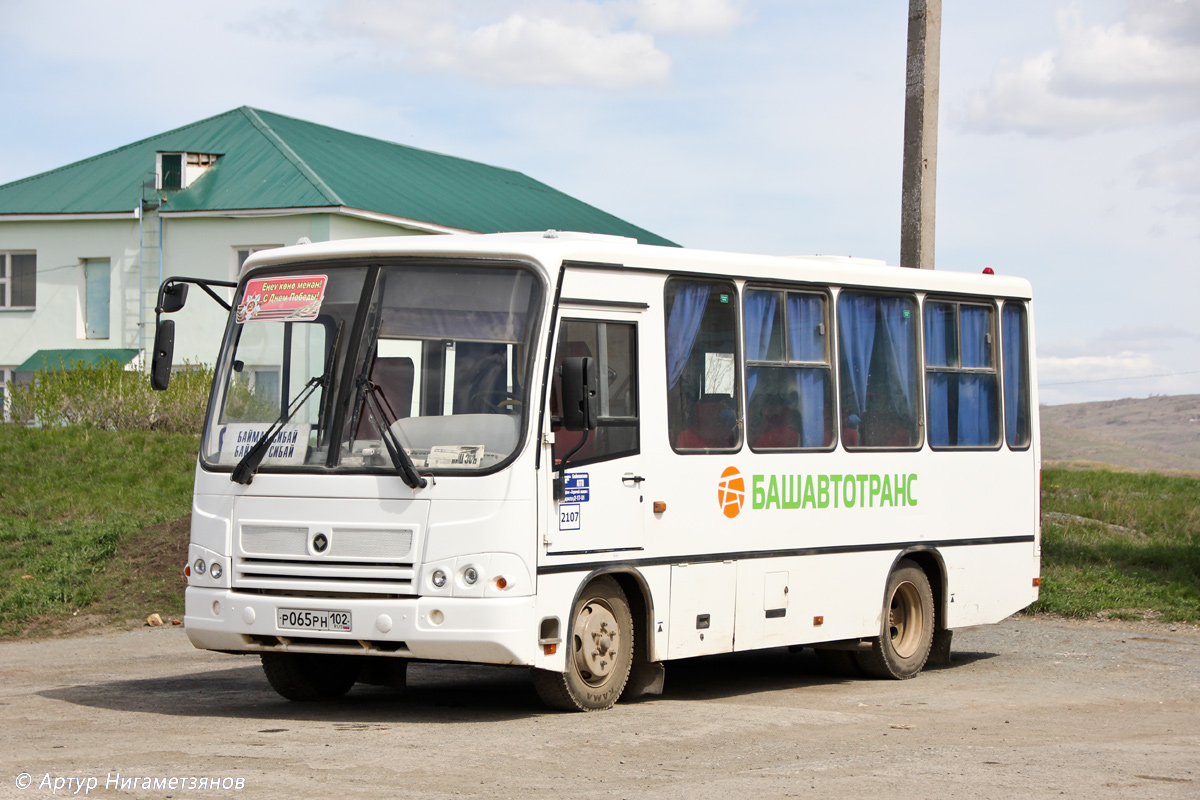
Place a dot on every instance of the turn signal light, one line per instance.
(1037, 581)
(818, 620)
(659, 506)
(549, 649)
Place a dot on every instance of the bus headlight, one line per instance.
(198, 567)
(438, 579)
(214, 570)
(470, 576)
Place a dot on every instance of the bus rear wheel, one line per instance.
(308, 676)
(906, 634)
(599, 652)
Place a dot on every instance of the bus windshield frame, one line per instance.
(417, 362)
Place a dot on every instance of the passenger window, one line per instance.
(703, 395)
(1015, 341)
(961, 384)
(878, 373)
(614, 347)
(789, 384)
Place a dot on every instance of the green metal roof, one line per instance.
(270, 161)
(44, 360)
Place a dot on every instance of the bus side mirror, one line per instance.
(164, 352)
(580, 398)
(171, 297)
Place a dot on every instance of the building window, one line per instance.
(18, 280)
(97, 294)
(243, 252)
(703, 391)
(789, 381)
(960, 375)
(180, 170)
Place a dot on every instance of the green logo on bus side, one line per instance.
(832, 491)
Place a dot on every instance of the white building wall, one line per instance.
(62, 248)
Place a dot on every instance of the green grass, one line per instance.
(71, 499)
(1121, 545)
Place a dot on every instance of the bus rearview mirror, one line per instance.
(580, 398)
(171, 297)
(164, 352)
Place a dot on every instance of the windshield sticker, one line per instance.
(458, 456)
(296, 298)
(236, 439)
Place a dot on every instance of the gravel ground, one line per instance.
(1032, 707)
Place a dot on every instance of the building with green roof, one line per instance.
(84, 247)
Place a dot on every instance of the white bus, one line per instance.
(589, 457)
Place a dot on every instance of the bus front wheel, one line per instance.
(306, 676)
(906, 633)
(599, 654)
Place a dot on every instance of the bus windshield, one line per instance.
(376, 367)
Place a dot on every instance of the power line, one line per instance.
(1107, 380)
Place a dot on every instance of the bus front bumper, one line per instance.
(484, 630)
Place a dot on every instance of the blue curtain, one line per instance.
(897, 319)
(806, 343)
(977, 392)
(856, 330)
(939, 329)
(683, 323)
(760, 324)
(1016, 411)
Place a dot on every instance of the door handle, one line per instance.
(631, 478)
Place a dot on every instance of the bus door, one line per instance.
(603, 508)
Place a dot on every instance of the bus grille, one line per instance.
(361, 561)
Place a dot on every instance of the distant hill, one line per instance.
(1155, 433)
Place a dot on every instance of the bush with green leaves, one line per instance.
(108, 396)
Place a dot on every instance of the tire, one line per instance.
(306, 677)
(599, 652)
(906, 632)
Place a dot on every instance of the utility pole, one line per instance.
(920, 134)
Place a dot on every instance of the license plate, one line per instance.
(308, 620)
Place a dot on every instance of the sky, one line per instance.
(1068, 150)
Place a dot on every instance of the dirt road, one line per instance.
(1028, 708)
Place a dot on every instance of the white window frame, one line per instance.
(7, 280)
(236, 261)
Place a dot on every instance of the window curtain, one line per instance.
(683, 323)
(805, 343)
(938, 330)
(977, 391)
(760, 324)
(898, 325)
(1016, 402)
(856, 329)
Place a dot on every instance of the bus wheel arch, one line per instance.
(906, 627)
(600, 641)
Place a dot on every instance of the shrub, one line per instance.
(108, 396)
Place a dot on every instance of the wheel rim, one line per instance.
(597, 642)
(905, 620)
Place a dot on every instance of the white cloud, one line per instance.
(691, 17)
(1142, 69)
(608, 44)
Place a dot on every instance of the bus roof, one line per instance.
(549, 249)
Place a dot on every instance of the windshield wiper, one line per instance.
(375, 399)
(243, 473)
